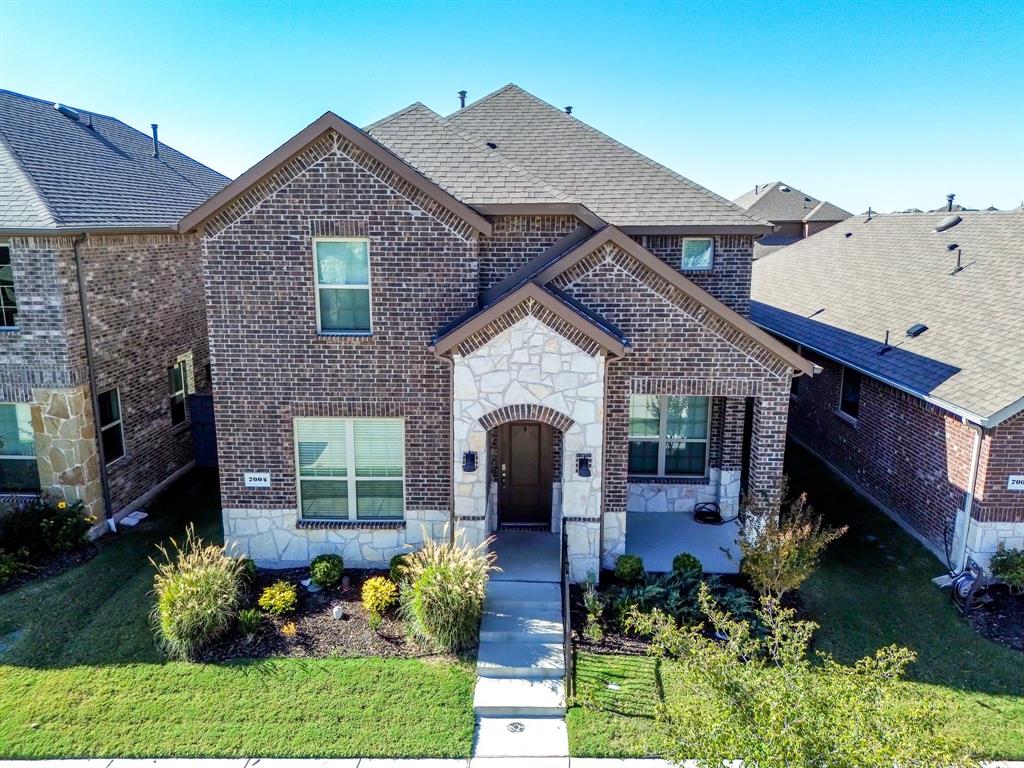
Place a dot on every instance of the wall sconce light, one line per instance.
(583, 464)
(469, 461)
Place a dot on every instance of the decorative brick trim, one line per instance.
(341, 409)
(338, 228)
(517, 313)
(709, 387)
(580, 519)
(470, 518)
(366, 525)
(650, 480)
(526, 412)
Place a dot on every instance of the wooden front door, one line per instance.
(524, 474)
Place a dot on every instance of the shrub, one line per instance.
(326, 570)
(379, 594)
(1008, 566)
(249, 620)
(10, 566)
(629, 569)
(198, 594)
(397, 568)
(783, 550)
(43, 527)
(684, 562)
(247, 573)
(443, 595)
(593, 604)
(279, 598)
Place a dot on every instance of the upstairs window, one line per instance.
(849, 395)
(180, 387)
(350, 469)
(111, 426)
(342, 276)
(8, 301)
(18, 470)
(698, 253)
(668, 435)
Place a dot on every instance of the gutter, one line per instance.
(73, 231)
(972, 481)
(108, 510)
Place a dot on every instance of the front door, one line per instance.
(524, 474)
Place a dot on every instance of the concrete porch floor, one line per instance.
(659, 536)
(527, 556)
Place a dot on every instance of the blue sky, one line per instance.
(884, 104)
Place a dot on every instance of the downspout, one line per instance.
(972, 480)
(108, 510)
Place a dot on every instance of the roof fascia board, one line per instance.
(632, 247)
(310, 133)
(963, 413)
(578, 210)
(700, 229)
(528, 291)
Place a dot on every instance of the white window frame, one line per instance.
(350, 466)
(682, 255)
(662, 440)
(333, 286)
(34, 458)
(10, 254)
(849, 417)
(119, 423)
(187, 387)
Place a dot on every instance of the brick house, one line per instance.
(498, 319)
(102, 323)
(794, 214)
(915, 320)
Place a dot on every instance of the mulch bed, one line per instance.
(54, 566)
(615, 641)
(1002, 620)
(318, 634)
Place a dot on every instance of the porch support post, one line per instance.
(733, 418)
(768, 443)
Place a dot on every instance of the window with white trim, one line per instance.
(8, 300)
(342, 275)
(698, 253)
(111, 425)
(18, 470)
(350, 469)
(179, 377)
(668, 435)
(849, 393)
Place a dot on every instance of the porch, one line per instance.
(657, 537)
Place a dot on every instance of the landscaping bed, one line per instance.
(54, 565)
(1002, 620)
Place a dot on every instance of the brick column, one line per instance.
(768, 442)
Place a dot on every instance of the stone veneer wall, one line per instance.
(529, 363)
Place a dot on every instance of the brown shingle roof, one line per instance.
(779, 202)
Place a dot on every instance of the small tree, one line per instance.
(759, 698)
(782, 550)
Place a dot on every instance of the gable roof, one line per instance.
(322, 125)
(617, 183)
(838, 294)
(778, 202)
(91, 173)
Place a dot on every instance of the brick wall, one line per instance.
(1002, 456)
(728, 280)
(269, 363)
(516, 240)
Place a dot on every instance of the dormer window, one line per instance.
(698, 254)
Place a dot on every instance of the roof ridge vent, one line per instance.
(68, 112)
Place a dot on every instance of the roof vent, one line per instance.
(948, 223)
(848, 234)
(785, 189)
(156, 141)
(952, 246)
(68, 112)
(462, 99)
(568, 110)
(916, 330)
(492, 145)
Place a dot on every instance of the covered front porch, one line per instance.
(657, 537)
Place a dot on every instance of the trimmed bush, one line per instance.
(198, 593)
(684, 562)
(379, 594)
(629, 569)
(279, 598)
(1008, 566)
(443, 596)
(249, 620)
(326, 570)
(10, 567)
(397, 568)
(43, 527)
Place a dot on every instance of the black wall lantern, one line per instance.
(583, 464)
(469, 461)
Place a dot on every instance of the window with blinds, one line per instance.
(668, 435)
(18, 469)
(350, 469)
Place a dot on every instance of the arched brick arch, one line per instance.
(526, 412)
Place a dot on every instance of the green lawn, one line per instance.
(873, 589)
(81, 676)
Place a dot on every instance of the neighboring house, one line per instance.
(931, 426)
(102, 324)
(794, 214)
(498, 319)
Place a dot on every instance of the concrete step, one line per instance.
(495, 697)
(522, 626)
(521, 737)
(522, 594)
(526, 661)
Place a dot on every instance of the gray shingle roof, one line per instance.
(779, 202)
(617, 183)
(94, 172)
(459, 163)
(839, 294)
